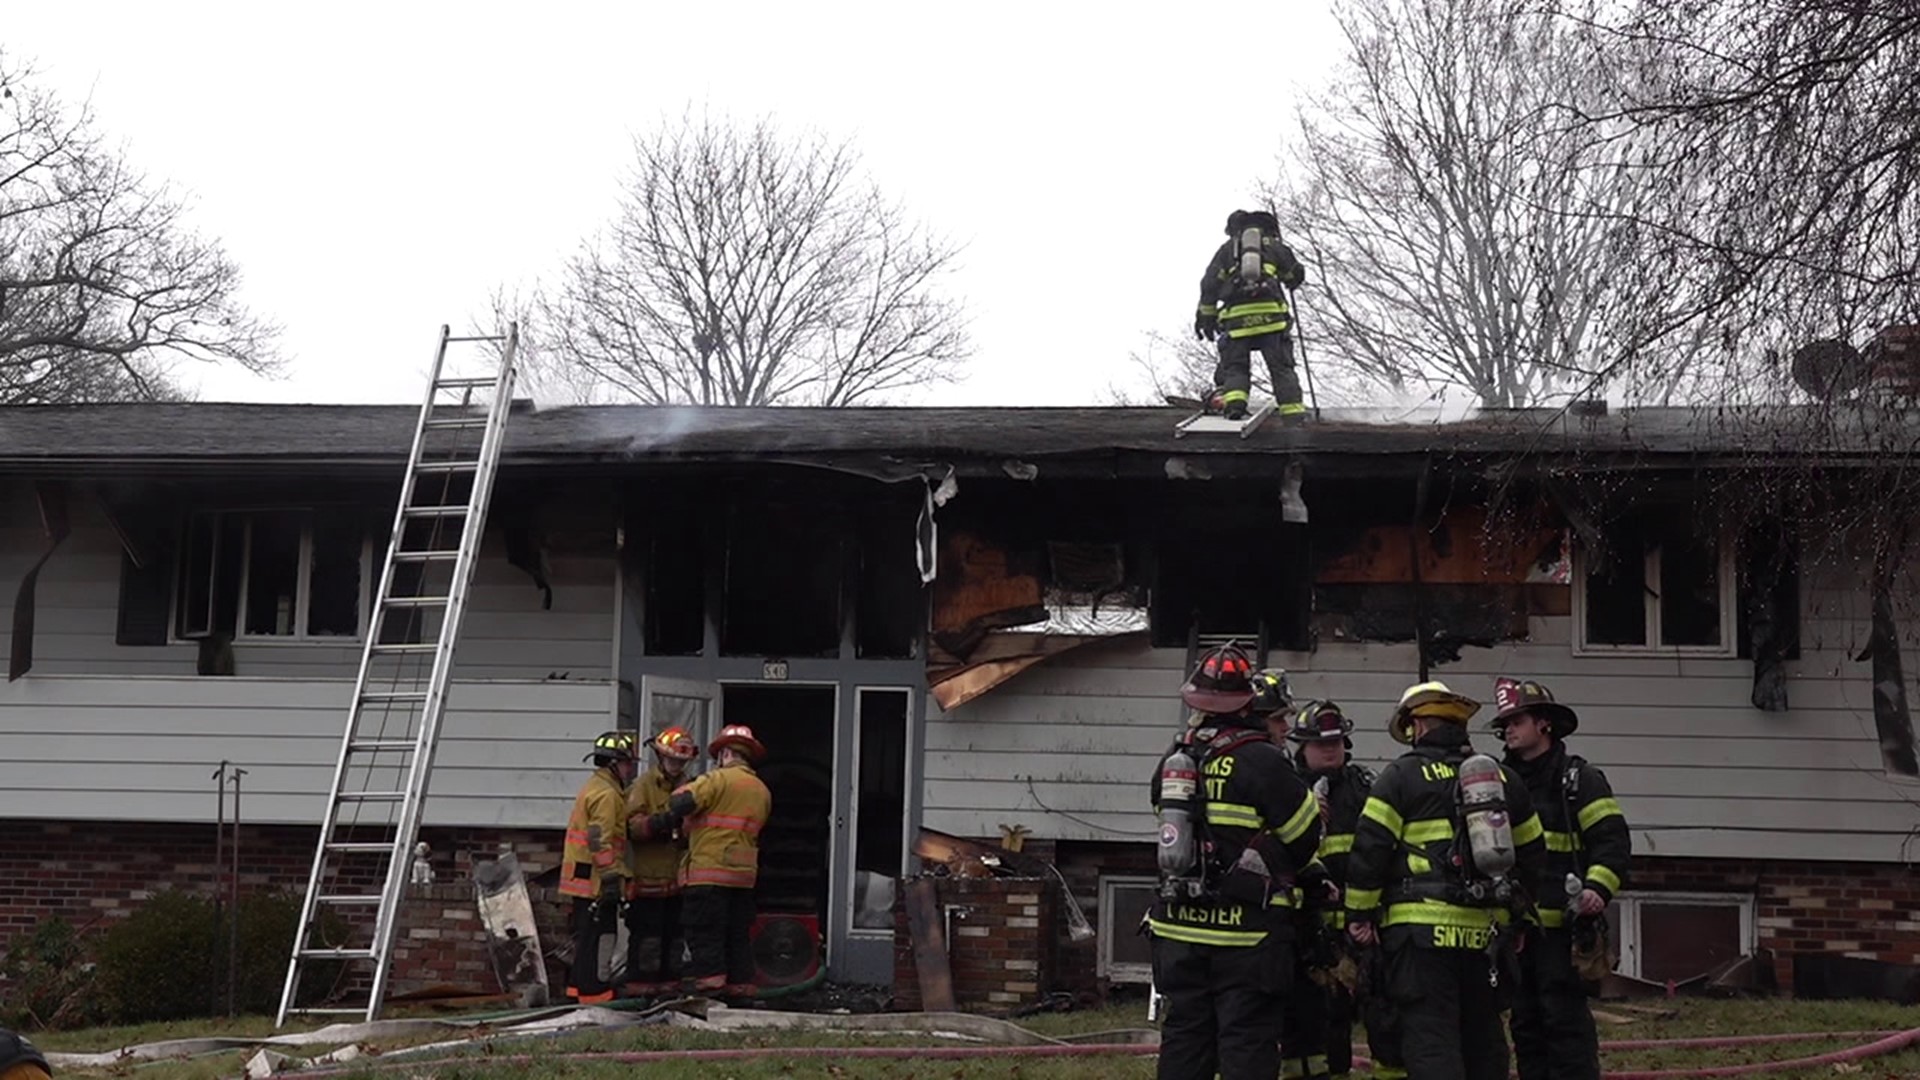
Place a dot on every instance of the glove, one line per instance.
(651, 826)
(1206, 325)
(606, 909)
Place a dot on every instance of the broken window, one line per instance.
(272, 573)
(880, 807)
(783, 582)
(1660, 583)
(890, 609)
(1234, 582)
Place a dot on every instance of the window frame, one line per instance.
(1104, 962)
(304, 596)
(1629, 903)
(1727, 560)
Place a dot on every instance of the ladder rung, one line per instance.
(459, 422)
(477, 337)
(425, 556)
(413, 648)
(363, 746)
(462, 384)
(344, 899)
(446, 466)
(394, 695)
(372, 796)
(351, 847)
(328, 1010)
(416, 601)
(459, 510)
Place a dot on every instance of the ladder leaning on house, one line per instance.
(400, 693)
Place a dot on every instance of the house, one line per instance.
(969, 620)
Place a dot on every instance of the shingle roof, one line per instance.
(264, 433)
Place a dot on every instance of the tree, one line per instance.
(748, 267)
(103, 286)
(1463, 235)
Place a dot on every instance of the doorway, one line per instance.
(796, 725)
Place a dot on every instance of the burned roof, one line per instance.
(268, 434)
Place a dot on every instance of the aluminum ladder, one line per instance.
(400, 693)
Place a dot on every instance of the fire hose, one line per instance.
(1883, 1042)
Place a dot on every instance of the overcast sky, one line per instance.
(377, 169)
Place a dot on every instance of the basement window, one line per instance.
(1660, 586)
(1677, 936)
(287, 575)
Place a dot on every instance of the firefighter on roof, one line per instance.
(1237, 827)
(722, 812)
(593, 865)
(1446, 852)
(1588, 849)
(1245, 307)
(653, 905)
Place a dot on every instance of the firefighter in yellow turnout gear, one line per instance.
(1245, 308)
(653, 896)
(1419, 884)
(593, 864)
(722, 812)
(1245, 826)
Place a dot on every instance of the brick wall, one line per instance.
(1002, 951)
(92, 873)
(1864, 910)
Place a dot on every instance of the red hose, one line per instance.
(1889, 1044)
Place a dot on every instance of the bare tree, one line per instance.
(748, 267)
(103, 285)
(1463, 235)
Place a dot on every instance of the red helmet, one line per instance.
(739, 737)
(1223, 683)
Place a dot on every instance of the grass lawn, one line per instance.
(1692, 1017)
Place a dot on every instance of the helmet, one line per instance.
(1223, 683)
(617, 745)
(1512, 697)
(15, 1050)
(1260, 219)
(1271, 691)
(740, 737)
(675, 743)
(1429, 699)
(1320, 721)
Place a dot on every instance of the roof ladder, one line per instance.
(360, 869)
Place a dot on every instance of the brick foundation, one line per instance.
(1864, 910)
(94, 872)
(1002, 950)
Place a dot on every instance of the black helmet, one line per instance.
(16, 1050)
(1222, 684)
(1320, 721)
(1271, 691)
(613, 746)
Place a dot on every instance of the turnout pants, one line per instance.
(1449, 1017)
(1306, 1048)
(718, 923)
(1553, 1032)
(1234, 372)
(1224, 1008)
(1377, 1011)
(653, 942)
(583, 978)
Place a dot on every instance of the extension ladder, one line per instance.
(400, 693)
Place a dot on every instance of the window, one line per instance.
(1660, 585)
(1125, 954)
(273, 574)
(1677, 936)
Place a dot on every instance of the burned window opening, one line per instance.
(293, 574)
(675, 606)
(784, 567)
(1088, 592)
(1661, 582)
(1453, 616)
(1234, 581)
(890, 605)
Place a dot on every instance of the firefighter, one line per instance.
(653, 894)
(593, 867)
(1418, 884)
(1588, 849)
(1245, 306)
(1322, 736)
(1222, 926)
(19, 1060)
(722, 812)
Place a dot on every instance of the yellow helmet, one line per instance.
(1429, 699)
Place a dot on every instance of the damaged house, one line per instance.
(972, 621)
